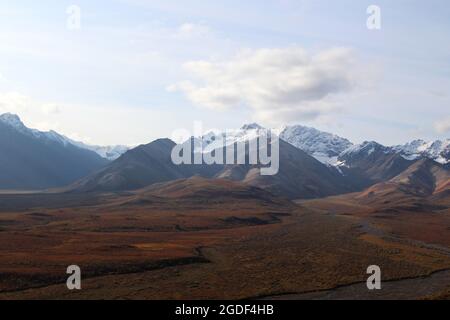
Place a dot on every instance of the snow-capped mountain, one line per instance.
(33, 160)
(323, 146)
(438, 150)
(328, 148)
(215, 140)
(14, 121)
(370, 162)
(366, 148)
(106, 152)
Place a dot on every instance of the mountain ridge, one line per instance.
(324, 146)
(305, 167)
(31, 160)
(107, 152)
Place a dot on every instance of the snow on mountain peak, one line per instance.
(330, 149)
(323, 146)
(107, 152)
(12, 120)
(367, 147)
(215, 140)
(438, 150)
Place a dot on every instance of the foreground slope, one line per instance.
(424, 183)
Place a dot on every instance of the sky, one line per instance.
(132, 71)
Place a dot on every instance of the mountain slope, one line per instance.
(200, 188)
(30, 159)
(423, 183)
(106, 152)
(141, 167)
(323, 146)
(370, 163)
(327, 147)
(299, 176)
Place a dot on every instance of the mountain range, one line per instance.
(312, 163)
(326, 147)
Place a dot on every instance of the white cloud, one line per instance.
(442, 126)
(51, 108)
(280, 83)
(18, 103)
(14, 102)
(191, 30)
(36, 114)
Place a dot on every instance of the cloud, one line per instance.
(282, 83)
(35, 113)
(442, 126)
(191, 30)
(51, 108)
(14, 102)
(18, 103)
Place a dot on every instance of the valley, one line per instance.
(203, 238)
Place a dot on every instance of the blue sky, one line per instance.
(137, 70)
